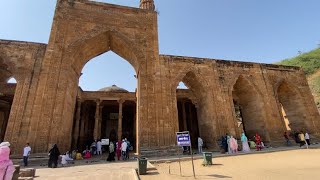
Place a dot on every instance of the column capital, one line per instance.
(121, 101)
(98, 101)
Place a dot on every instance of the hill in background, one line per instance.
(310, 62)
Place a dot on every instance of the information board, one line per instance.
(104, 141)
(183, 139)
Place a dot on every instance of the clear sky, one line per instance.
(245, 30)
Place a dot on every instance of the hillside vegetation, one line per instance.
(310, 62)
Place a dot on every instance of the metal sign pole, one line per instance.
(180, 163)
(194, 174)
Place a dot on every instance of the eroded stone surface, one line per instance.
(44, 103)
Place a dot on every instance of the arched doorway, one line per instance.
(7, 89)
(107, 113)
(248, 109)
(291, 107)
(193, 109)
(187, 113)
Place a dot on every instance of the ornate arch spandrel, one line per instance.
(113, 39)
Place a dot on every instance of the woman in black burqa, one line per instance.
(54, 154)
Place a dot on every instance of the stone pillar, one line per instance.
(184, 116)
(120, 101)
(77, 123)
(100, 120)
(97, 119)
(192, 125)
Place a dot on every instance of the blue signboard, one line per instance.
(183, 139)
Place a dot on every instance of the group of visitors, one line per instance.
(229, 144)
(301, 138)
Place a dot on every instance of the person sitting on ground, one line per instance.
(258, 142)
(68, 158)
(252, 144)
(63, 160)
(74, 154)
(87, 154)
(78, 156)
(286, 137)
(94, 147)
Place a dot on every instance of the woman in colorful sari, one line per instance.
(6, 166)
(233, 145)
(245, 146)
(258, 142)
(118, 149)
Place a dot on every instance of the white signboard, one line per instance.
(105, 141)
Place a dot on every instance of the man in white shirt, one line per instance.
(26, 153)
(200, 144)
(307, 137)
(124, 146)
(99, 147)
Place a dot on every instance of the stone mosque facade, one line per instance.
(46, 106)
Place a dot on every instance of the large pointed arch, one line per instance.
(249, 108)
(100, 41)
(290, 102)
(201, 97)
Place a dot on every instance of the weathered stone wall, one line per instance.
(23, 61)
(214, 82)
(45, 99)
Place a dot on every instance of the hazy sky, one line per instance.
(245, 30)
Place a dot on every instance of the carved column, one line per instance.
(120, 101)
(77, 123)
(184, 116)
(100, 120)
(97, 119)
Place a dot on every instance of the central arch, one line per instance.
(95, 43)
(249, 109)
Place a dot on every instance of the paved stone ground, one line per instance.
(299, 164)
(271, 163)
(112, 171)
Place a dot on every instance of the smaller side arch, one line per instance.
(291, 104)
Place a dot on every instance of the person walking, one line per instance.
(245, 145)
(118, 150)
(233, 145)
(26, 154)
(128, 148)
(302, 139)
(124, 146)
(54, 154)
(200, 144)
(307, 137)
(224, 144)
(111, 152)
